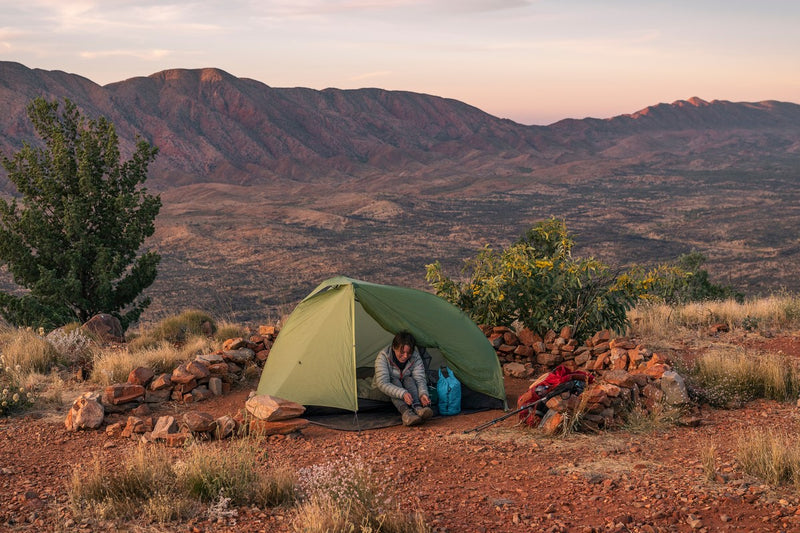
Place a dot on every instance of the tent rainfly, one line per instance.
(326, 350)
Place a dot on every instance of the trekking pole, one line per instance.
(501, 418)
(563, 387)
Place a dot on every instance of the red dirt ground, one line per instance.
(504, 479)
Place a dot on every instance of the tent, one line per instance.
(325, 352)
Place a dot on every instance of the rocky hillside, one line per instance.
(268, 191)
(214, 127)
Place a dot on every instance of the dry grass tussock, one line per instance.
(162, 486)
(176, 329)
(345, 495)
(727, 375)
(771, 455)
(658, 321)
(25, 351)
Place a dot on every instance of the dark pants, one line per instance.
(410, 385)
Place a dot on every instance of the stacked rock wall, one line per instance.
(627, 374)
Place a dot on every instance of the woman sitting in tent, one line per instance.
(400, 375)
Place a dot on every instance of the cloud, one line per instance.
(149, 55)
(371, 75)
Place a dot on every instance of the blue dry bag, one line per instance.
(449, 390)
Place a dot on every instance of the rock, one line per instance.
(106, 328)
(198, 369)
(177, 440)
(122, 393)
(226, 427)
(86, 412)
(218, 369)
(528, 337)
(656, 371)
(157, 396)
(115, 430)
(201, 393)
(620, 378)
(185, 388)
(549, 360)
(233, 344)
(267, 330)
(241, 356)
(215, 386)
(198, 422)
(210, 359)
(141, 410)
(141, 376)
(674, 388)
(280, 427)
(165, 425)
(164, 381)
(516, 370)
(524, 351)
(181, 374)
(551, 422)
(601, 337)
(137, 426)
(270, 408)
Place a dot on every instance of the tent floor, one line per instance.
(350, 421)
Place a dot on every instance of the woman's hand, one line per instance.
(407, 398)
(426, 402)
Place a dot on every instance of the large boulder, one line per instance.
(674, 388)
(105, 327)
(86, 412)
(271, 409)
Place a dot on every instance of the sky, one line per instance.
(531, 61)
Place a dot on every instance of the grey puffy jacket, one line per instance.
(388, 375)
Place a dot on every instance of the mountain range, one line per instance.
(267, 190)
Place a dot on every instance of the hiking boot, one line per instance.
(410, 418)
(424, 412)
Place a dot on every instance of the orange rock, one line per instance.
(280, 427)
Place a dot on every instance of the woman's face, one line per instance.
(403, 352)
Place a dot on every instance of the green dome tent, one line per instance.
(325, 353)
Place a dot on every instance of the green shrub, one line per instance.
(538, 283)
(683, 281)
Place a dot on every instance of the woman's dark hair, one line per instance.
(404, 338)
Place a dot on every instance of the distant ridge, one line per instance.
(212, 126)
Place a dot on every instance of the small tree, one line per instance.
(73, 241)
(682, 281)
(537, 282)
